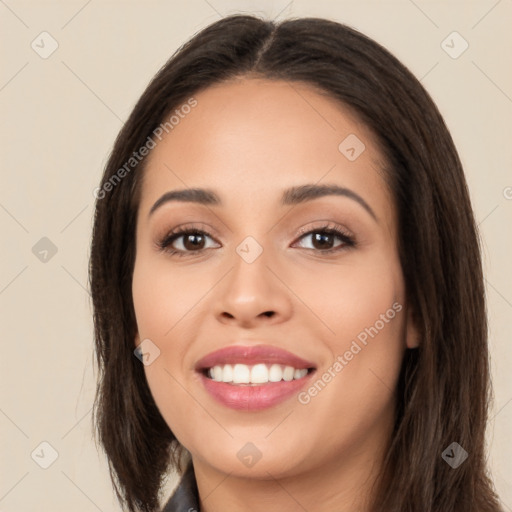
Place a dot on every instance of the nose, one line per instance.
(253, 294)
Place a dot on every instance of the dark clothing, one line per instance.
(185, 497)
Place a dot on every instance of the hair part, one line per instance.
(444, 385)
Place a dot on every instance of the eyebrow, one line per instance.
(290, 196)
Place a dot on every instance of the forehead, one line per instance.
(252, 138)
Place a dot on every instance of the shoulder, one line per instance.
(185, 497)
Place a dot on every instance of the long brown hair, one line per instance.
(444, 386)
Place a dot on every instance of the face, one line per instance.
(263, 280)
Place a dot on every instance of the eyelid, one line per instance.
(324, 225)
(186, 226)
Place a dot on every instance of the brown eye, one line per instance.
(193, 241)
(185, 241)
(324, 240)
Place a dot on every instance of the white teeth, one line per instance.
(275, 373)
(298, 374)
(241, 374)
(217, 373)
(258, 374)
(288, 373)
(227, 373)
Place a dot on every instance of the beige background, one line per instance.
(60, 116)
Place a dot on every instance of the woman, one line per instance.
(284, 239)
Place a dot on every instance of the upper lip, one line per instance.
(244, 354)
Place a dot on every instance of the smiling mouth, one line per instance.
(253, 378)
(254, 375)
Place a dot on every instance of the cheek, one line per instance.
(351, 297)
(166, 305)
(164, 300)
(364, 310)
(366, 304)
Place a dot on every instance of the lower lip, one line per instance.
(254, 397)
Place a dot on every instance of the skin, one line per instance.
(249, 139)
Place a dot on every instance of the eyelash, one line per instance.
(165, 243)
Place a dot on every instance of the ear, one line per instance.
(412, 333)
(137, 340)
